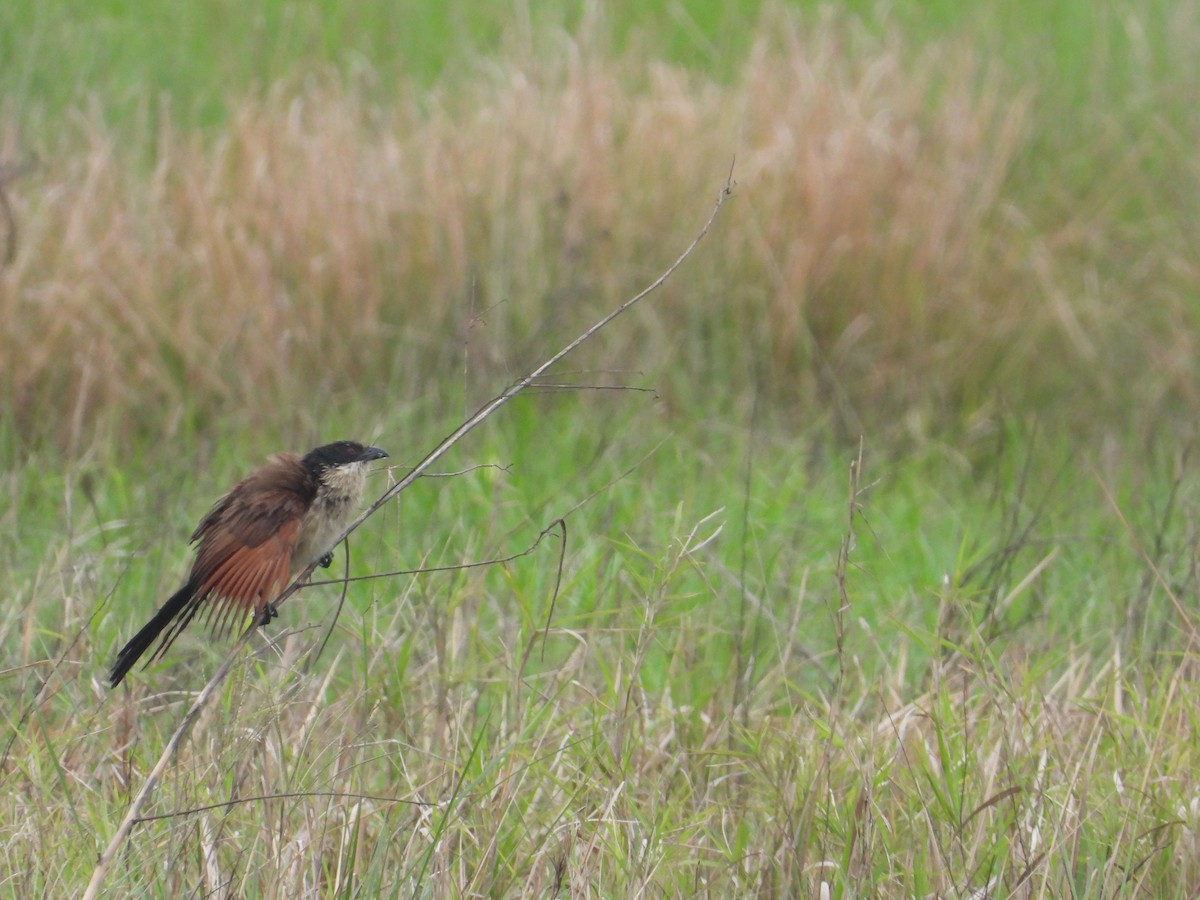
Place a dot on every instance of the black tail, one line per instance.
(183, 601)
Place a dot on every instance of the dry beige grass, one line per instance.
(994, 780)
(878, 257)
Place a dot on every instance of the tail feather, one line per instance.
(184, 600)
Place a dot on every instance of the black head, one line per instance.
(340, 453)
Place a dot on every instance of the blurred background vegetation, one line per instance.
(949, 217)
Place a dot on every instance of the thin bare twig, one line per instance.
(287, 795)
(484, 412)
(468, 470)
(156, 774)
(562, 561)
(455, 567)
(472, 422)
(553, 386)
(341, 602)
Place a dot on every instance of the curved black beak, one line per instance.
(370, 453)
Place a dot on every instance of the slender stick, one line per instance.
(479, 416)
(485, 411)
(143, 794)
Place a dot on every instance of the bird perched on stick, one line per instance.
(271, 525)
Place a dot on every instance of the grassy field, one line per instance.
(878, 570)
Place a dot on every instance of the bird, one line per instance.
(271, 525)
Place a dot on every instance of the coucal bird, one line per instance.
(271, 525)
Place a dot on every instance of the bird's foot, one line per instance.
(326, 561)
(267, 613)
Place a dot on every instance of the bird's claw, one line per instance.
(268, 613)
(326, 561)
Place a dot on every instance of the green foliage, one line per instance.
(196, 57)
(672, 717)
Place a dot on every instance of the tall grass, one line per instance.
(914, 734)
(899, 258)
(961, 680)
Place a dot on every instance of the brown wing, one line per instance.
(246, 542)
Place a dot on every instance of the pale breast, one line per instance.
(336, 503)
